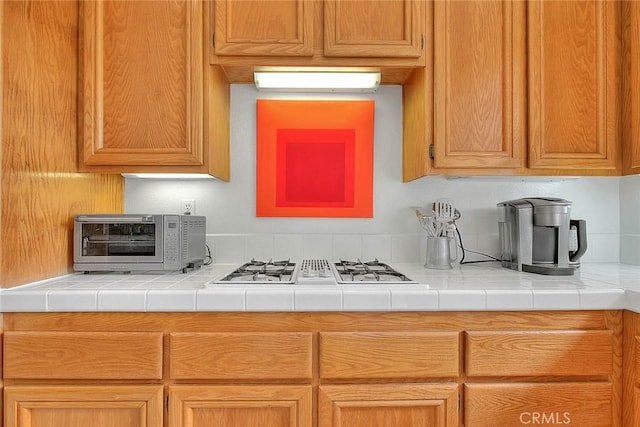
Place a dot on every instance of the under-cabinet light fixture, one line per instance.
(168, 175)
(317, 81)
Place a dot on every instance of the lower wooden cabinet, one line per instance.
(83, 406)
(240, 406)
(389, 369)
(383, 405)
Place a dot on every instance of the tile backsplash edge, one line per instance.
(397, 247)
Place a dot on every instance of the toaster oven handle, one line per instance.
(143, 218)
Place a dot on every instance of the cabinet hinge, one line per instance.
(431, 152)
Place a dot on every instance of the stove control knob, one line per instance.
(308, 272)
(325, 272)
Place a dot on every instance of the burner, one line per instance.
(256, 271)
(368, 272)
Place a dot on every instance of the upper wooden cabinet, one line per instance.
(573, 84)
(383, 34)
(631, 87)
(479, 84)
(519, 88)
(384, 28)
(148, 103)
(265, 28)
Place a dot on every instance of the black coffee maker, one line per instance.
(537, 235)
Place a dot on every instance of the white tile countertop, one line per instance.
(471, 287)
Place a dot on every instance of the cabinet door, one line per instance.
(264, 27)
(82, 406)
(142, 82)
(631, 90)
(479, 84)
(573, 77)
(240, 406)
(383, 405)
(373, 28)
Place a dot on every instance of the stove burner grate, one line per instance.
(263, 272)
(368, 271)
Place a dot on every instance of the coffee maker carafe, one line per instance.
(537, 235)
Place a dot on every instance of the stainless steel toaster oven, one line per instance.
(125, 242)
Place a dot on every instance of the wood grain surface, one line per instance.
(41, 190)
(83, 355)
(95, 406)
(579, 404)
(630, 93)
(241, 356)
(362, 355)
(264, 406)
(573, 84)
(479, 81)
(373, 28)
(273, 28)
(381, 405)
(142, 83)
(538, 353)
(383, 338)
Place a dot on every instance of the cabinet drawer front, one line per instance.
(353, 355)
(578, 404)
(241, 355)
(532, 353)
(83, 355)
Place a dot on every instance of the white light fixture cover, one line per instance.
(317, 81)
(168, 175)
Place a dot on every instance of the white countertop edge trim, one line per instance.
(370, 299)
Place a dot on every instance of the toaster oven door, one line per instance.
(118, 239)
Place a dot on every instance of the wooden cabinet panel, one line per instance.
(361, 355)
(579, 404)
(142, 83)
(240, 355)
(265, 28)
(82, 406)
(479, 84)
(382, 405)
(83, 355)
(240, 406)
(631, 87)
(573, 84)
(384, 28)
(539, 353)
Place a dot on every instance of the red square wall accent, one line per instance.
(314, 158)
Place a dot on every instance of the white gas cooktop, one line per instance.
(315, 272)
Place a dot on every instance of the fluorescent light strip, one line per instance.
(168, 175)
(317, 81)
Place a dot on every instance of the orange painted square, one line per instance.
(314, 158)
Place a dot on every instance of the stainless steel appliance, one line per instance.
(537, 235)
(314, 271)
(124, 242)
